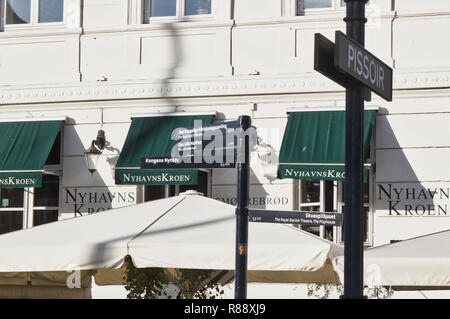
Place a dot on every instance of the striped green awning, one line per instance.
(151, 137)
(314, 145)
(24, 148)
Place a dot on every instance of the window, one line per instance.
(328, 196)
(319, 196)
(303, 5)
(22, 208)
(46, 201)
(11, 209)
(176, 9)
(32, 12)
(315, 4)
(158, 192)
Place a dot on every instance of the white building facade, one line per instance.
(98, 65)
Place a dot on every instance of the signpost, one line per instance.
(230, 148)
(210, 146)
(352, 59)
(324, 63)
(358, 71)
(243, 175)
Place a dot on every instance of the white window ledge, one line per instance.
(38, 31)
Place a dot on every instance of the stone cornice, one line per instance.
(185, 88)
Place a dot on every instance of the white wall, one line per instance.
(117, 66)
(412, 155)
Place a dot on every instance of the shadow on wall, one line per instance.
(84, 193)
(175, 49)
(398, 191)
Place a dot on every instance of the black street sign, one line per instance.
(210, 146)
(354, 60)
(324, 63)
(295, 217)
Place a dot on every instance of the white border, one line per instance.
(323, 109)
(164, 114)
(35, 119)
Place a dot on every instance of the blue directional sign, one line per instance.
(210, 146)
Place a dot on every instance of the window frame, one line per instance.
(338, 235)
(338, 204)
(336, 5)
(180, 13)
(34, 18)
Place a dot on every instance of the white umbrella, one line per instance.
(418, 263)
(187, 231)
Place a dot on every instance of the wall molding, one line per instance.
(206, 87)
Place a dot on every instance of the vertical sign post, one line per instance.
(354, 121)
(358, 71)
(243, 168)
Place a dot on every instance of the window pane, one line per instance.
(10, 221)
(163, 8)
(51, 10)
(48, 193)
(343, 3)
(309, 208)
(310, 192)
(41, 217)
(157, 192)
(195, 7)
(18, 11)
(11, 197)
(154, 192)
(314, 4)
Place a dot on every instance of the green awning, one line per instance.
(151, 137)
(24, 148)
(314, 145)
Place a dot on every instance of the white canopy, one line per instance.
(187, 231)
(417, 263)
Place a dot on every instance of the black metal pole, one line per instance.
(243, 168)
(354, 203)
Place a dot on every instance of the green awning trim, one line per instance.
(156, 177)
(313, 145)
(24, 148)
(151, 137)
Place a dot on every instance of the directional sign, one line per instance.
(211, 146)
(354, 60)
(324, 63)
(295, 217)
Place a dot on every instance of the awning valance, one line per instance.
(151, 137)
(314, 145)
(181, 232)
(24, 148)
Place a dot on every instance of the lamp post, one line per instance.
(93, 152)
(243, 171)
(354, 204)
